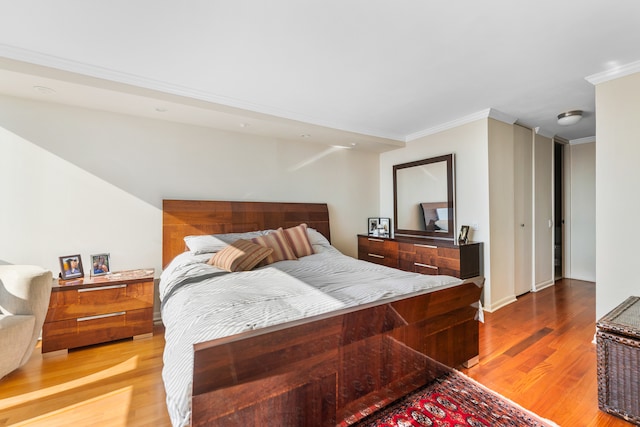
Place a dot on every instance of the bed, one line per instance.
(319, 340)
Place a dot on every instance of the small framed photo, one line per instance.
(464, 234)
(71, 267)
(373, 226)
(379, 227)
(100, 264)
(384, 225)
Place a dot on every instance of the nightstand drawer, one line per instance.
(107, 298)
(89, 330)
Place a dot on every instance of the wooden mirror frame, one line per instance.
(450, 202)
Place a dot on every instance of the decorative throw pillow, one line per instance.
(278, 242)
(241, 255)
(299, 240)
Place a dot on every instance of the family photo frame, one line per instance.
(100, 264)
(380, 227)
(71, 267)
(464, 234)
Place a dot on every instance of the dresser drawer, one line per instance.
(97, 300)
(419, 258)
(425, 256)
(379, 251)
(101, 328)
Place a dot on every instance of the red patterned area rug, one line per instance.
(454, 400)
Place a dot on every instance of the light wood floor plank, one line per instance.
(537, 352)
(540, 353)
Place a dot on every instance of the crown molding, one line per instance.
(614, 73)
(502, 117)
(585, 140)
(483, 114)
(83, 69)
(543, 132)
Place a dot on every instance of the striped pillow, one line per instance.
(299, 240)
(241, 255)
(278, 242)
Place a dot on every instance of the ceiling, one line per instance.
(366, 73)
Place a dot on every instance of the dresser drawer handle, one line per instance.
(425, 265)
(101, 316)
(102, 288)
(376, 256)
(425, 246)
(374, 240)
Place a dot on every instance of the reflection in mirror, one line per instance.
(423, 197)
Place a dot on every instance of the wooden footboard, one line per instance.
(332, 369)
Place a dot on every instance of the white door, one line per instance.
(523, 189)
(543, 213)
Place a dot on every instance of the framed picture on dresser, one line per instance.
(379, 227)
(464, 234)
(100, 264)
(373, 226)
(384, 225)
(71, 267)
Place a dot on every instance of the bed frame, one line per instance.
(327, 370)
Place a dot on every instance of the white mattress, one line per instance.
(200, 303)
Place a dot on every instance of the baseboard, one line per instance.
(540, 286)
(499, 304)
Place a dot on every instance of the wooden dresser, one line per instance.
(99, 309)
(421, 255)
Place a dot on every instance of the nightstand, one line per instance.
(99, 309)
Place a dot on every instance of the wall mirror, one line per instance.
(424, 198)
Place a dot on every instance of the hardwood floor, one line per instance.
(538, 352)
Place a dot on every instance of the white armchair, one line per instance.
(24, 300)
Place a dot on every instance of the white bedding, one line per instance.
(201, 302)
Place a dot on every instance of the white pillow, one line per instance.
(211, 243)
(443, 213)
(442, 225)
(318, 241)
(204, 244)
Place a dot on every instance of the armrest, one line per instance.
(24, 289)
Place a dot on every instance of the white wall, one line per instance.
(79, 181)
(582, 216)
(469, 144)
(617, 183)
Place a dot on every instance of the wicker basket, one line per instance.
(618, 340)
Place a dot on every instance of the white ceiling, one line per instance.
(367, 72)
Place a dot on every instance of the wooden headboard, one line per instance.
(191, 217)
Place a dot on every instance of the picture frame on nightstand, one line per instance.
(71, 267)
(100, 265)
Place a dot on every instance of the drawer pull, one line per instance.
(376, 256)
(102, 288)
(375, 240)
(425, 246)
(425, 265)
(101, 316)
